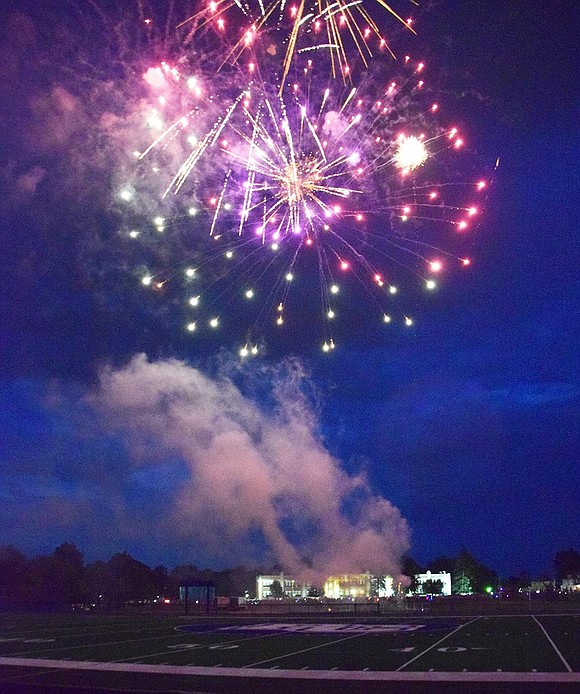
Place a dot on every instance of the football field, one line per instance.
(520, 653)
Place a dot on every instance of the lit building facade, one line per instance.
(571, 584)
(345, 586)
(290, 587)
(444, 577)
(358, 586)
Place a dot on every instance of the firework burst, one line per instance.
(287, 177)
(337, 28)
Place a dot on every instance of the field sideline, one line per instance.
(517, 653)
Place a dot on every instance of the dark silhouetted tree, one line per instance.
(432, 587)
(445, 565)
(411, 568)
(13, 576)
(468, 571)
(276, 589)
(567, 564)
(69, 568)
(131, 580)
(161, 583)
(99, 580)
(378, 583)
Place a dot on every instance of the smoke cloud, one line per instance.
(256, 474)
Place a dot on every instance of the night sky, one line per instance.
(467, 423)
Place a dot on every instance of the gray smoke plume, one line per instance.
(253, 473)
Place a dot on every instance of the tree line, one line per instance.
(63, 577)
(471, 576)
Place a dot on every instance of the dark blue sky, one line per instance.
(468, 423)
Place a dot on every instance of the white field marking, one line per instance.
(404, 665)
(25, 640)
(337, 628)
(199, 647)
(90, 645)
(39, 640)
(77, 634)
(332, 675)
(304, 650)
(553, 645)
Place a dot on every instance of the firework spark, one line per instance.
(278, 174)
(329, 26)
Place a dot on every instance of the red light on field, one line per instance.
(309, 242)
(471, 211)
(465, 261)
(434, 108)
(436, 266)
(221, 24)
(433, 195)
(481, 185)
(213, 201)
(462, 225)
(343, 265)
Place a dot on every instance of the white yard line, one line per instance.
(337, 675)
(304, 650)
(198, 647)
(553, 645)
(404, 665)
